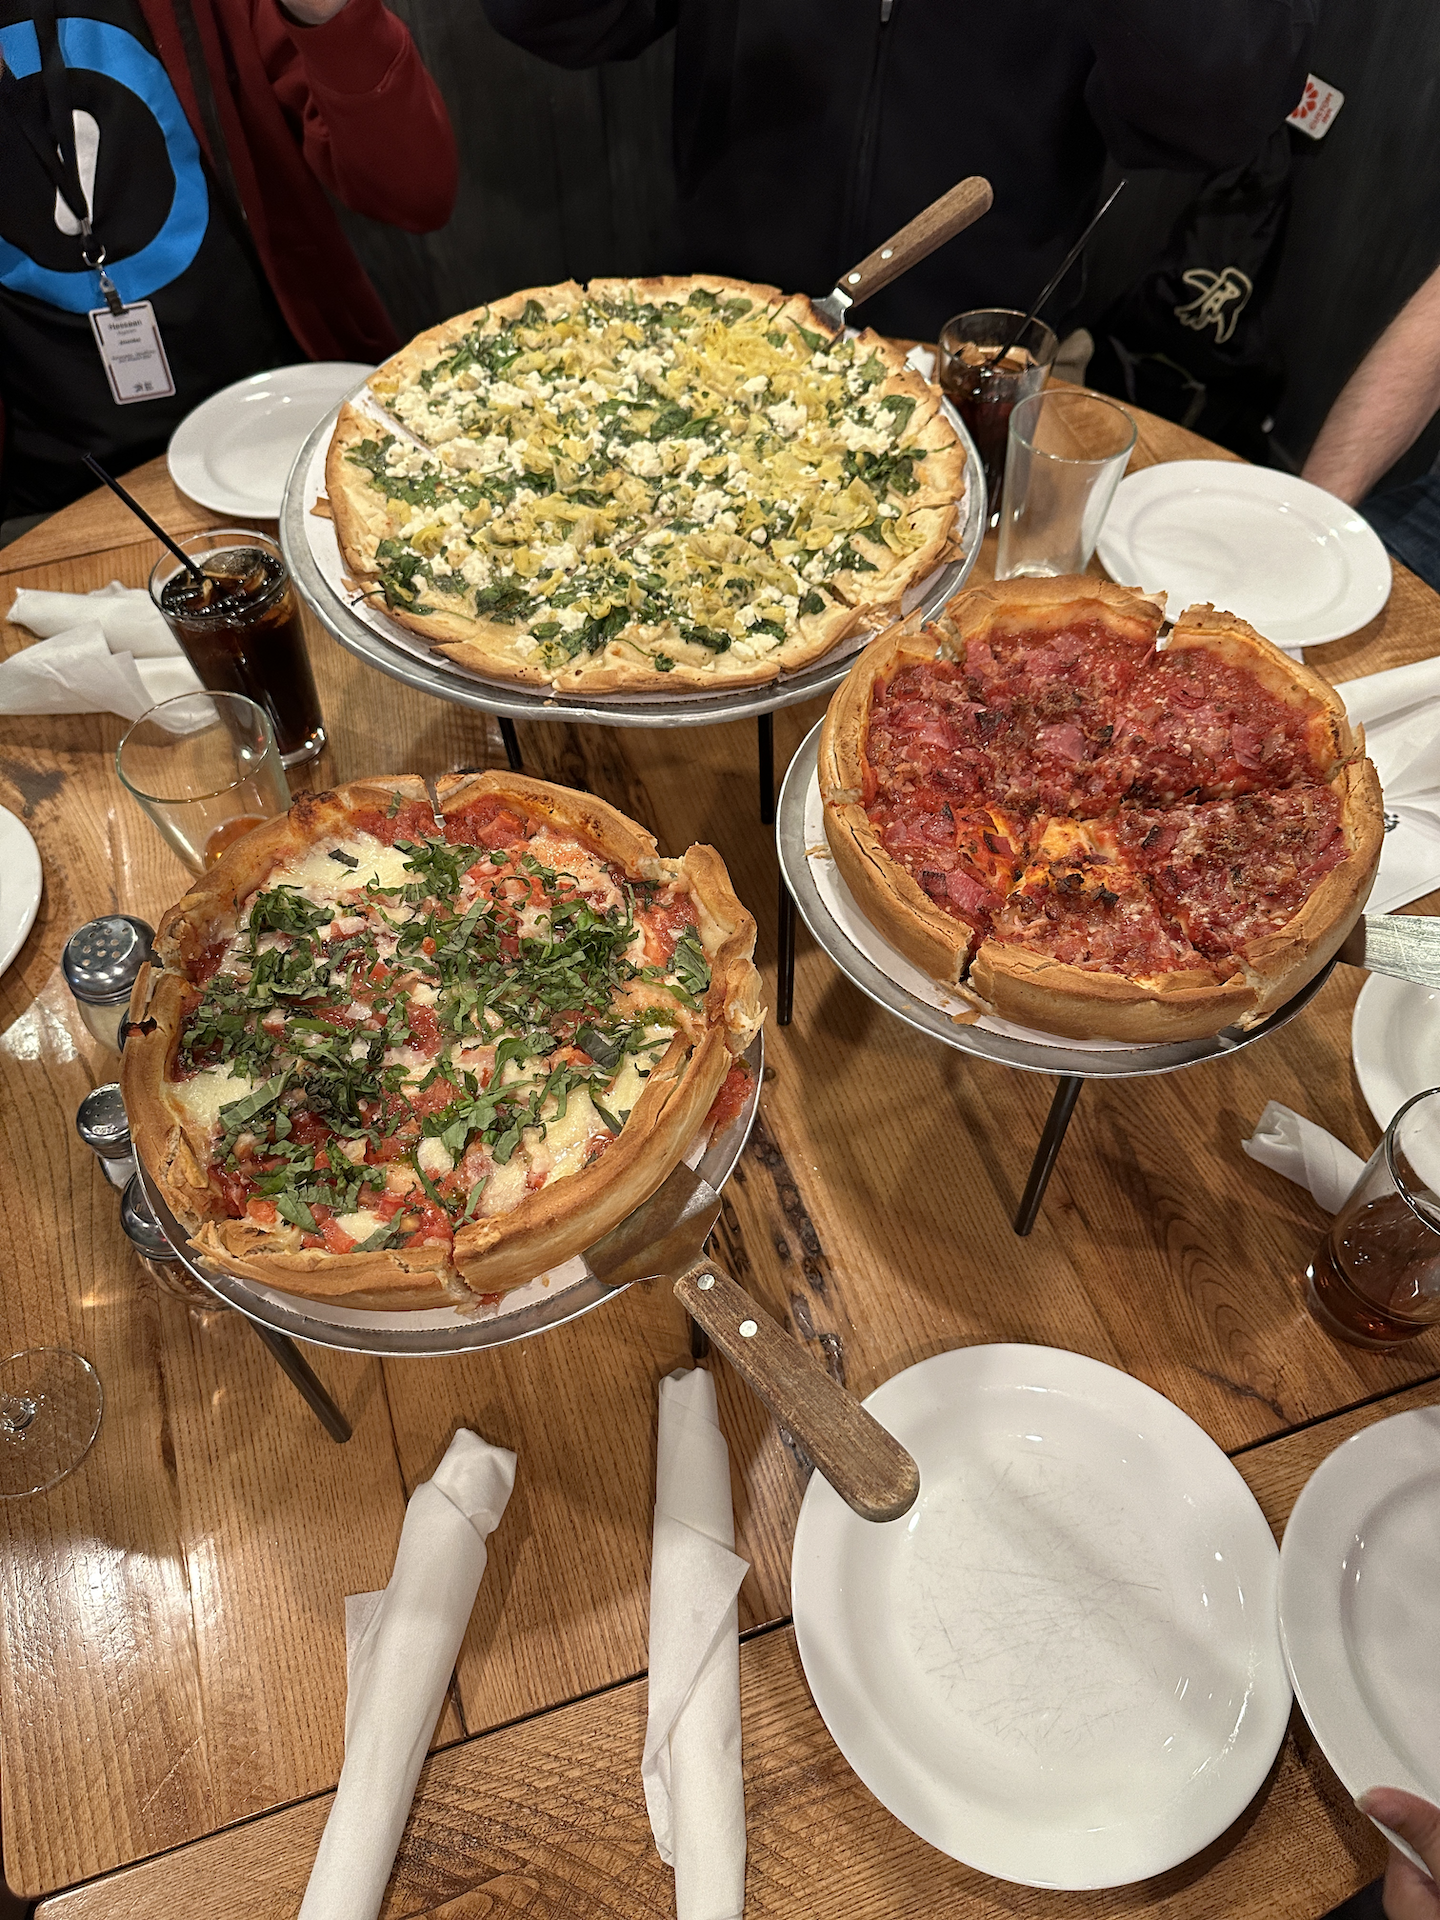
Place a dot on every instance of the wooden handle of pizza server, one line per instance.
(940, 221)
(867, 1466)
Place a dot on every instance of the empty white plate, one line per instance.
(234, 452)
(1395, 1043)
(1360, 1604)
(1298, 564)
(20, 885)
(1062, 1666)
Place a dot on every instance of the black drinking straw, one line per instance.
(1051, 285)
(190, 566)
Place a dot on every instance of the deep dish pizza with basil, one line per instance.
(398, 1058)
(1092, 831)
(644, 484)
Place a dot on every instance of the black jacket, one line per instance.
(807, 131)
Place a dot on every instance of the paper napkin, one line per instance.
(99, 652)
(1400, 712)
(1290, 1144)
(400, 1654)
(694, 1789)
(133, 623)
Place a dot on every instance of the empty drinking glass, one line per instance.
(206, 769)
(1068, 449)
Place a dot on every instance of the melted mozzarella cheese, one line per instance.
(434, 1157)
(320, 878)
(359, 1225)
(201, 1097)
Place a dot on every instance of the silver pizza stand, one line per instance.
(552, 1300)
(1072, 1064)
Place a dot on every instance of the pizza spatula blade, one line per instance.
(666, 1236)
(941, 221)
(1406, 945)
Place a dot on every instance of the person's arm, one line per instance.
(1195, 85)
(1385, 404)
(1409, 1893)
(372, 121)
(581, 33)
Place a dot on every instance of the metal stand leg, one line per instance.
(311, 1391)
(512, 745)
(785, 959)
(765, 730)
(1067, 1092)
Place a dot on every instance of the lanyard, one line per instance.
(51, 137)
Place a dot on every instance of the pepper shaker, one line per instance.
(104, 1126)
(101, 964)
(156, 1254)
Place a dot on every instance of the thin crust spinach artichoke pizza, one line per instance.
(1089, 830)
(644, 484)
(397, 1057)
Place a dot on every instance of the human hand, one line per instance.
(312, 13)
(1409, 1894)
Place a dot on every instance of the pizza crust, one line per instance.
(1030, 989)
(491, 1254)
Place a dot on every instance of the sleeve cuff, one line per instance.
(352, 52)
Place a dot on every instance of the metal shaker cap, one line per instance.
(102, 1122)
(142, 1229)
(102, 960)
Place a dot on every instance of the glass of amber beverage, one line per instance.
(984, 383)
(1375, 1280)
(206, 769)
(238, 622)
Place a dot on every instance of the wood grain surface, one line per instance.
(172, 1617)
(548, 1818)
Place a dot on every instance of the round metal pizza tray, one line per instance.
(547, 1302)
(407, 660)
(883, 973)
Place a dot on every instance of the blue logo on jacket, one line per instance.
(98, 47)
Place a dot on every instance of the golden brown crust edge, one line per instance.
(1333, 739)
(1032, 990)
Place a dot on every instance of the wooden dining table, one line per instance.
(172, 1614)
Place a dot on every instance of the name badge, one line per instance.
(133, 353)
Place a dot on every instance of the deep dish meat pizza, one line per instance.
(395, 1057)
(644, 484)
(1092, 831)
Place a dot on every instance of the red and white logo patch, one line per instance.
(1319, 104)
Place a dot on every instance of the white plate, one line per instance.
(1395, 1043)
(1298, 564)
(20, 885)
(234, 452)
(1062, 1666)
(1360, 1604)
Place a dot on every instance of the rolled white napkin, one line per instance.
(99, 654)
(133, 623)
(1400, 712)
(398, 1667)
(694, 1787)
(1288, 1143)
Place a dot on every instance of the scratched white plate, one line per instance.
(1062, 1666)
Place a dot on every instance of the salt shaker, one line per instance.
(101, 963)
(155, 1253)
(104, 1126)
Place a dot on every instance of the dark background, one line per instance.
(567, 175)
